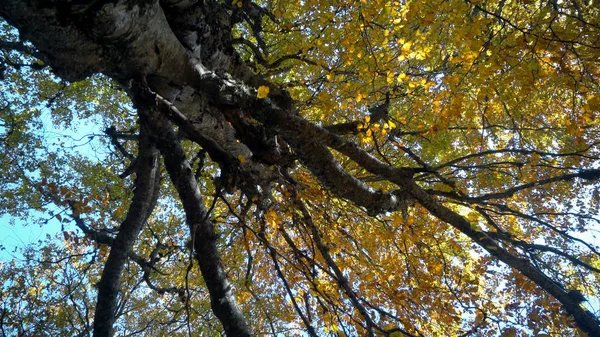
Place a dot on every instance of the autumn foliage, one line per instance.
(312, 168)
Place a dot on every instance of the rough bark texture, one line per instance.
(179, 57)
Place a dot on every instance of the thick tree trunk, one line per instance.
(133, 42)
(176, 59)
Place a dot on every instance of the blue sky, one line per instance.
(16, 233)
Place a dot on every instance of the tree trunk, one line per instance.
(177, 61)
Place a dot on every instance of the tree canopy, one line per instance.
(310, 168)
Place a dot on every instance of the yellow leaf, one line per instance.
(473, 216)
(272, 218)
(263, 91)
(242, 159)
(359, 97)
(103, 250)
(428, 19)
(406, 47)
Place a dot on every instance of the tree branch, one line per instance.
(584, 319)
(223, 301)
(144, 200)
(340, 278)
(591, 174)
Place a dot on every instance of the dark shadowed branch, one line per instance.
(202, 234)
(145, 195)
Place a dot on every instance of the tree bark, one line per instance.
(180, 53)
(203, 236)
(147, 185)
